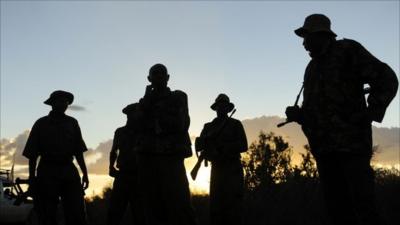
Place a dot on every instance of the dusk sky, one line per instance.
(101, 51)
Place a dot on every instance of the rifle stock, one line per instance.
(196, 167)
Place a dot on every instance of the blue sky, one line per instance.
(101, 51)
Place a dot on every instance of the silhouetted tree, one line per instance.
(308, 166)
(267, 162)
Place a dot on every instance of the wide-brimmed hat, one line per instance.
(222, 100)
(130, 108)
(315, 23)
(59, 94)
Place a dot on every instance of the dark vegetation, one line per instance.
(278, 192)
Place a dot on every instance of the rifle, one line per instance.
(295, 104)
(21, 195)
(201, 158)
(366, 90)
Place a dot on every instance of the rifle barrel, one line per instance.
(283, 123)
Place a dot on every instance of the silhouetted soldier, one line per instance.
(336, 118)
(163, 146)
(125, 188)
(221, 141)
(56, 139)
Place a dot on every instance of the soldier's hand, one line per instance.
(293, 113)
(85, 181)
(32, 186)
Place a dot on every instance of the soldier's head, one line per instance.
(222, 105)
(59, 100)
(158, 76)
(316, 33)
(133, 113)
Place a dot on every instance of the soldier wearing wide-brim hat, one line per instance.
(315, 23)
(57, 139)
(125, 187)
(336, 117)
(222, 101)
(221, 141)
(60, 95)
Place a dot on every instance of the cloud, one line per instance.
(9, 147)
(76, 107)
(97, 159)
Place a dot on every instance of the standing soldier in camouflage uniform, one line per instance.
(57, 138)
(164, 145)
(125, 188)
(336, 118)
(221, 141)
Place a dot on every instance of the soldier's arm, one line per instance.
(80, 149)
(114, 151)
(380, 77)
(80, 145)
(81, 162)
(32, 169)
(31, 150)
(200, 143)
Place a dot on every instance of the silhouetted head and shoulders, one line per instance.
(319, 39)
(45, 134)
(165, 116)
(59, 101)
(133, 119)
(158, 88)
(222, 106)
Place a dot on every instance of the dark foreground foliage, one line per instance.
(278, 193)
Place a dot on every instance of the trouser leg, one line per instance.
(118, 202)
(46, 202)
(362, 184)
(72, 197)
(336, 191)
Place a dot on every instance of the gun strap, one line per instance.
(298, 96)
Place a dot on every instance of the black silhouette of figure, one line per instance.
(336, 118)
(221, 141)
(125, 188)
(164, 144)
(56, 139)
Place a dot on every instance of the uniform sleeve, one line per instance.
(114, 148)
(379, 76)
(80, 143)
(200, 141)
(115, 143)
(204, 130)
(32, 147)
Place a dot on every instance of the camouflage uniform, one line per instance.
(226, 185)
(334, 105)
(125, 187)
(56, 139)
(337, 123)
(162, 148)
